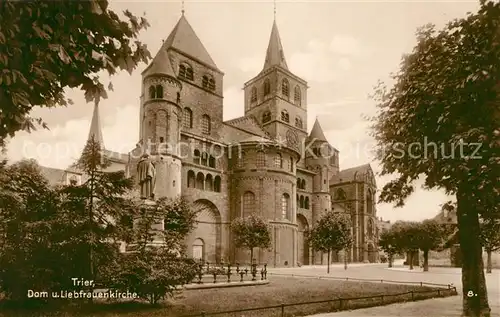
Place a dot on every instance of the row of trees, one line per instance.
(331, 234)
(49, 235)
(406, 237)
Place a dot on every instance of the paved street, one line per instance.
(450, 306)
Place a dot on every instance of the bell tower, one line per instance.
(276, 97)
(319, 161)
(160, 123)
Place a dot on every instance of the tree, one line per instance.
(430, 237)
(406, 238)
(157, 263)
(250, 233)
(94, 207)
(48, 46)
(490, 238)
(332, 232)
(28, 211)
(440, 120)
(388, 244)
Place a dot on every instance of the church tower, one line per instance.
(276, 97)
(202, 82)
(319, 162)
(160, 123)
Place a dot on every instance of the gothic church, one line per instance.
(251, 164)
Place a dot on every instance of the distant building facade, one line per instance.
(251, 164)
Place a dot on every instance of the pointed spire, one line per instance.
(317, 132)
(95, 126)
(182, 11)
(275, 55)
(184, 39)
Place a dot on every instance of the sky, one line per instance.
(341, 48)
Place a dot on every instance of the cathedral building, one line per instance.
(264, 162)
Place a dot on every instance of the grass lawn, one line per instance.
(280, 290)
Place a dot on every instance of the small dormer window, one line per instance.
(285, 90)
(186, 71)
(253, 95)
(285, 116)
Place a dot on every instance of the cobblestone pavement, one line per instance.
(439, 307)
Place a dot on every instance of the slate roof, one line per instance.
(247, 123)
(184, 39)
(317, 132)
(275, 55)
(449, 217)
(352, 174)
(95, 126)
(116, 156)
(160, 65)
(55, 176)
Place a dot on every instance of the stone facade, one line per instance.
(263, 162)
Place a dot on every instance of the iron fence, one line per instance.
(340, 304)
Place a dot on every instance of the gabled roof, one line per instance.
(184, 39)
(160, 65)
(275, 55)
(446, 217)
(248, 124)
(258, 139)
(116, 156)
(353, 173)
(55, 176)
(317, 132)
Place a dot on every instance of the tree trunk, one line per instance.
(474, 292)
(426, 260)
(410, 259)
(328, 263)
(389, 259)
(345, 259)
(91, 228)
(251, 256)
(488, 262)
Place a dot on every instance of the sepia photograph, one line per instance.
(250, 158)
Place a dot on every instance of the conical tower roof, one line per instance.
(317, 133)
(160, 65)
(275, 55)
